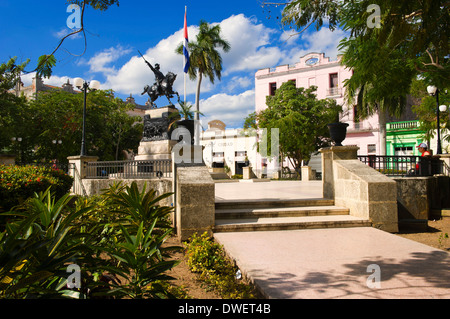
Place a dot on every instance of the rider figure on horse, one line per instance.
(162, 86)
(159, 76)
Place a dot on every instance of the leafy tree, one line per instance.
(205, 57)
(13, 113)
(411, 39)
(57, 115)
(9, 75)
(302, 120)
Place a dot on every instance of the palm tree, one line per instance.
(205, 58)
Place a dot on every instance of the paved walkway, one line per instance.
(268, 190)
(331, 263)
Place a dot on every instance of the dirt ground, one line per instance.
(434, 237)
(185, 279)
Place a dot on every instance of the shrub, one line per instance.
(208, 259)
(117, 259)
(18, 183)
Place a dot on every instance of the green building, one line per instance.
(402, 138)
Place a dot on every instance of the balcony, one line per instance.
(402, 126)
(334, 92)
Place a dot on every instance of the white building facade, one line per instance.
(234, 149)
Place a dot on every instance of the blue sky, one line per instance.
(33, 28)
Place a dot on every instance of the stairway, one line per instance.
(271, 215)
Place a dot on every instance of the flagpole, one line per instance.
(185, 59)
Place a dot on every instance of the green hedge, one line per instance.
(18, 183)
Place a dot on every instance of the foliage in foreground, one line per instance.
(208, 260)
(115, 239)
(18, 183)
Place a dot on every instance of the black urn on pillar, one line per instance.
(338, 132)
(187, 126)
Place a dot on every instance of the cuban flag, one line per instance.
(187, 61)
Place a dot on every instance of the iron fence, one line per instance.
(129, 169)
(401, 166)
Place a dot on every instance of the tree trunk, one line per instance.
(382, 128)
(197, 113)
(197, 98)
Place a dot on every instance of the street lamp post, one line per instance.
(434, 91)
(56, 143)
(19, 141)
(85, 87)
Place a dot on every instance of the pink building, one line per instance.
(329, 76)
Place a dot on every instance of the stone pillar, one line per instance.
(445, 158)
(329, 155)
(306, 173)
(80, 165)
(195, 201)
(248, 173)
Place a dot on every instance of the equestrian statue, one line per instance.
(163, 85)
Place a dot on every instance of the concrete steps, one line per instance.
(271, 215)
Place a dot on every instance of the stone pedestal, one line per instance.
(156, 143)
(155, 150)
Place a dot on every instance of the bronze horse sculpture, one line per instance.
(163, 85)
(163, 89)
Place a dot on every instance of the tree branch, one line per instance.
(43, 62)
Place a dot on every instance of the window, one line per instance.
(371, 149)
(334, 85)
(241, 153)
(272, 89)
(294, 81)
(334, 81)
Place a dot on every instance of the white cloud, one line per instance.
(253, 46)
(66, 31)
(101, 62)
(322, 41)
(238, 83)
(250, 45)
(289, 37)
(250, 50)
(231, 109)
(325, 41)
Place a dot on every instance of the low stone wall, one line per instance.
(358, 187)
(162, 186)
(421, 199)
(367, 193)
